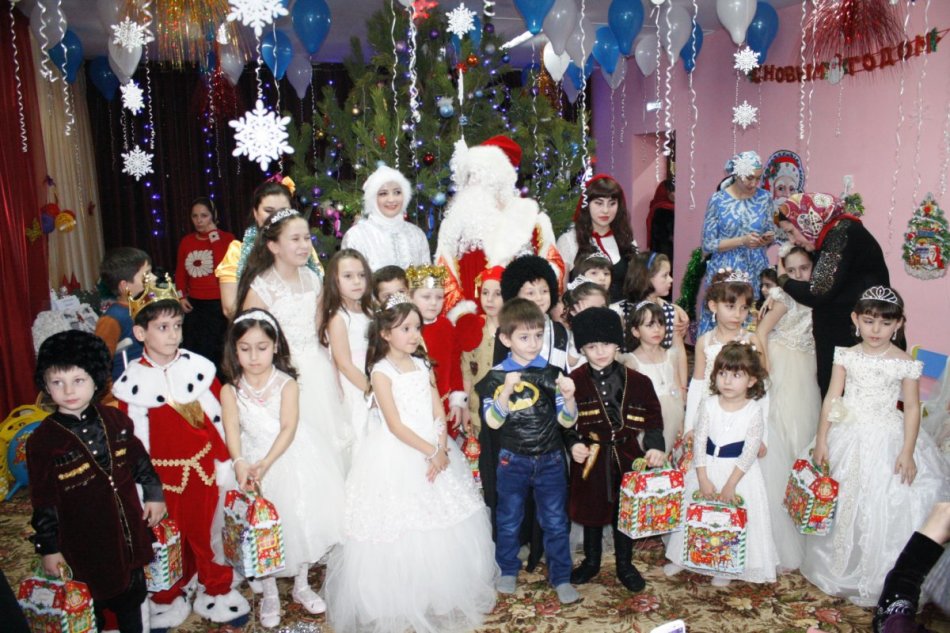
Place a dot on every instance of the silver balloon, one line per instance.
(232, 65)
(674, 36)
(555, 64)
(570, 90)
(579, 46)
(644, 52)
(616, 78)
(123, 61)
(53, 27)
(108, 12)
(558, 24)
(736, 16)
(300, 73)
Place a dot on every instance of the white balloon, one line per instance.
(558, 24)
(55, 23)
(570, 90)
(300, 73)
(126, 61)
(108, 11)
(644, 52)
(118, 72)
(579, 46)
(736, 16)
(555, 64)
(675, 36)
(614, 80)
(232, 65)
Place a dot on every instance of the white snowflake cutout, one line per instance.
(461, 20)
(256, 14)
(745, 114)
(745, 165)
(129, 34)
(261, 135)
(747, 60)
(132, 98)
(138, 163)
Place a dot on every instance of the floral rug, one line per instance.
(790, 605)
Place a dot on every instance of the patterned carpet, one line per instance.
(791, 605)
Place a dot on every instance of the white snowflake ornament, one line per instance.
(129, 34)
(132, 97)
(461, 20)
(256, 14)
(137, 163)
(745, 114)
(261, 135)
(745, 165)
(747, 60)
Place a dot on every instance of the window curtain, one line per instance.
(23, 274)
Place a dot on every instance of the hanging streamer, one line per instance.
(897, 139)
(146, 9)
(920, 105)
(613, 126)
(24, 146)
(392, 37)
(946, 154)
(840, 101)
(588, 172)
(656, 158)
(668, 103)
(694, 115)
(414, 114)
(801, 82)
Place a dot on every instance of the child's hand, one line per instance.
(580, 452)
(905, 467)
(728, 494)
(467, 425)
(241, 472)
(155, 511)
(53, 564)
(566, 386)
(512, 378)
(763, 449)
(437, 464)
(456, 417)
(688, 436)
(820, 455)
(258, 470)
(655, 458)
(706, 488)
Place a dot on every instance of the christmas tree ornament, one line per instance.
(261, 135)
(137, 163)
(132, 97)
(927, 241)
(428, 158)
(256, 14)
(420, 9)
(381, 140)
(472, 60)
(745, 114)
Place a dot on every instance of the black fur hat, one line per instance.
(72, 348)
(597, 325)
(524, 269)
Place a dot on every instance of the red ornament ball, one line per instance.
(428, 159)
(381, 139)
(472, 60)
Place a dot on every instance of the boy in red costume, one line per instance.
(172, 397)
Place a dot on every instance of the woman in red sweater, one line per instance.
(198, 255)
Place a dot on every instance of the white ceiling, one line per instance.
(348, 19)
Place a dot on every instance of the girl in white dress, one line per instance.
(417, 549)
(728, 436)
(278, 280)
(346, 311)
(889, 477)
(259, 410)
(660, 365)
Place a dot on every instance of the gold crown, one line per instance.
(152, 293)
(426, 276)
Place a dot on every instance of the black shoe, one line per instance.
(534, 557)
(590, 566)
(626, 572)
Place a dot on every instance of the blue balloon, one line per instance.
(103, 78)
(687, 53)
(534, 12)
(763, 29)
(625, 17)
(311, 22)
(589, 66)
(277, 52)
(574, 74)
(67, 55)
(606, 51)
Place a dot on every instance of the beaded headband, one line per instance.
(650, 260)
(735, 276)
(578, 281)
(258, 315)
(282, 214)
(881, 293)
(396, 299)
(598, 254)
(645, 302)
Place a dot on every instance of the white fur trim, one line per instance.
(219, 608)
(458, 399)
(461, 309)
(374, 183)
(514, 231)
(167, 616)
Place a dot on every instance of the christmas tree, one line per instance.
(927, 241)
(465, 87)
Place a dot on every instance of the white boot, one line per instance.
(304, 595)
(167, 616)
(224, 608)
(270, 604)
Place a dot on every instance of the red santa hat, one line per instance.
(511, 149)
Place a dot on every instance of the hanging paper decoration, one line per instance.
(461, 20)
(853, 28)
(420, 9)
(129, 35)
(747, 60)
(66, 222)
(34, 231)
(132, 98)
(137, 163)
(261, 135)
(927, 241)
(256, 14)
(745, 114)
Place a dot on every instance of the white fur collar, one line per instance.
(183, 381)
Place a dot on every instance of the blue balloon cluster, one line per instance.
(763, 29)
(103, 78)
(625, 18)
(67, 55)
(533, 12)
(311, 20)
(277, 51)
(606, 50)
(690, 51)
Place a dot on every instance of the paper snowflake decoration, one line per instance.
(261, 135)
(129, 34)
(745, 114)
(461, 20)
(138, 163)
(256, 14)
(747, 60)
(745, 165)
(132, 97)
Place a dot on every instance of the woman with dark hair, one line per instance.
(601, 225)
(660, 219)
(848, 261)
(198, 255)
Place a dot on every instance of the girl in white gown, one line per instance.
(278, 280)
(733, 421)
(345, 316)
(889, 477)
(417, 550)
(269, 447)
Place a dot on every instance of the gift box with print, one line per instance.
(472, 449)
(166, 568)
(715, 537)
(811, 497)
(253, 537)
(56, 605)
(651, 501)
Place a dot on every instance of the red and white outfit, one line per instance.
(442, 346)
(198, 256)
(177, 417)
(488, 224)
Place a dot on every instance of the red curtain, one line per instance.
(23, 265)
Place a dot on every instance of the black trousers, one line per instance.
(127, 606)
(204, 329)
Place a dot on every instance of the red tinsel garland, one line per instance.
(852, 28)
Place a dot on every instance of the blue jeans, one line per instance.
(547, 475)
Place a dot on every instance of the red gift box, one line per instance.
(56, 605)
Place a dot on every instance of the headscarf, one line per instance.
(810, 213)
(743, 164)
(385, 174)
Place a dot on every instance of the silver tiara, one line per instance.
(598, 254)
(395, 299)
(258, 315)
(645, 302)
(580, 279)
(282, 214)
(881, 293)
(735, 276)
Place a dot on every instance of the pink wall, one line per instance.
(862, 143)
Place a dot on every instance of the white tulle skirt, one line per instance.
(321, 403)
(795, 399)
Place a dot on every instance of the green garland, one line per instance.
(689, 286)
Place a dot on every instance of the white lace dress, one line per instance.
(416, 555)
(876, 513)
(722, 428)
(304, 484)
(321, 398)
(663, 377)
(356, 404)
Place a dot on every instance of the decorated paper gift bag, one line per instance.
(56, 605)
(715, 536)
(681, 455)
(811, 497)
(651, 501)
(166, 568)
(472, 448)
(253, 537)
